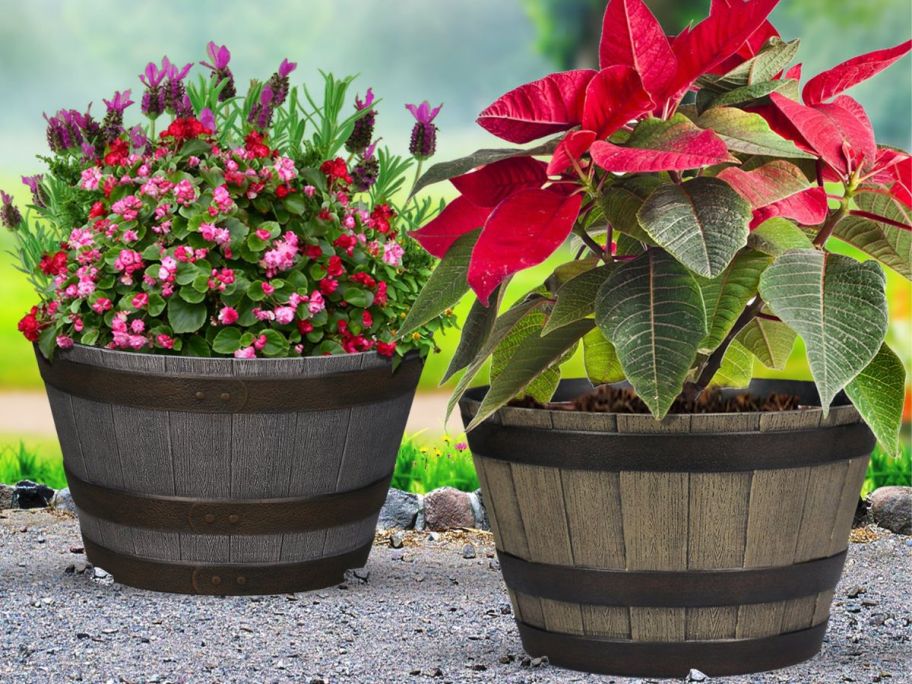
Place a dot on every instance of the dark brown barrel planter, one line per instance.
(638, 548)
(228, 476)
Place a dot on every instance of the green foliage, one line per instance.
(41, 463)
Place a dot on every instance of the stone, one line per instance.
(397, 539)
(400, 511)
(891, 508)
(448, 508)
(6, 496)
(28, 494)
(468, 551)
(478, 508)
(63, 501)
(696, 676)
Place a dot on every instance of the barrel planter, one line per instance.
(641, 548)
(228, 476)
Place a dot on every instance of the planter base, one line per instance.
(672, 659)
(225, 579)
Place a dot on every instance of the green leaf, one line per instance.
(276, 343)
(600, 359)
(186, 317)
(748, 93)
(47, 342)
(227, 341)
(191, 294)
(878, 393)
(888, 244)
(475, 332)
(542, 388)
(726, 296)
(748, 133)
(652, 311)
(196, 345)
(445, 287)
(764, 66)
(358, 297)
(702, 222)
(770, 341)
(777, 236)
(837, 305)
(295, 204)
(156, 304)
(621, 201)
(737, 367)
(534, 355)
(576, 298)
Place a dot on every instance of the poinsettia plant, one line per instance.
(258, 225)
(704, 188)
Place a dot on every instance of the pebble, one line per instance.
(28, 494)
(468, 551)
(397, 539)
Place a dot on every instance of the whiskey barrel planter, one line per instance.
(228, 476)
(641, 548)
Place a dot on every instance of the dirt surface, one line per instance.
(420, 613)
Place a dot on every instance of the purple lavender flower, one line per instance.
(176, 93)
(154, 100)
(261, 112)
(10, 216)
(112, 125)
(424, 134)
(219, 56)
(39, 196)
(367, 170)
(138, 139)
(207, 118)
(69, 129)
(279, 82)
(363, 131)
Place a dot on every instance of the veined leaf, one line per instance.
(762, 67)
(542, 388)
(186, 317)
(888, 244)
(533, 356)
(600, 359)
(840, 78)
(475, 331)
(748, 93)
(726, 296)
(878, 393)
(837, 305)
(748, 133)
(737, 367)
(621, 201)
(652, 311)
(576, 298)
(770, 341)
(777, 236)
(702, 222)
(446, 286)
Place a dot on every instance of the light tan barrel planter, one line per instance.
(638, 548)
(228, 476)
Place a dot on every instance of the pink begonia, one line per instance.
(285, 168)
(228, 316)
(184, 192)
(128, 207)
(128, 261)
(130, 236)
(316, 304)
(78, 324)
(392, 253)
(284, 315)
(349, 221)
(64, 342)
(213, 233)
(282, 256)
(101, 305)
(140, 301)
(310, 190)
(295, 300)
(162, 211)
(245, 353)
(263, 234)
(143, 171)
(80, 237)
(165, 341)
(137, 326)
(168, 268)
(90, 178)
(268, 289)
(260, 342)
(222, 199)
(263, 314)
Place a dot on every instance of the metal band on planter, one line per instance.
(668, 658)
(206, 394)
(235, 517)
(658, 589)
(224, 579)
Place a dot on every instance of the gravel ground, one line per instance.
(422, 613)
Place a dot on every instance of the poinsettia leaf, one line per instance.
(533, 110)
(777, 236)
(725, 296)
(766, 184)
(652, 311)
(600, 359)
(675, 144)
(764, 66)
(737, 367)
(535, 355)
(740, 96)
(890, 245)
(576, 298)
(475, 331)
(458, 218)
(808, 207)
(613, 97)
(770, 341)
(522, 231)
(837, 305)
(633, 37)
(621, 201)
(529, 326)
(702, 222)
(748, 133)
(840, 78)
(445, 287)
(574, 145)
(456, 167)
(491, 184)
(878, 392)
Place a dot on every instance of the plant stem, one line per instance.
(594, 246)
(834, 218)
(714, 362)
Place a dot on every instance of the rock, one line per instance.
(891, 508)
(468, 551)
(397, 539)
(28, 494)
(63, 501)
(478, 508)
(855, 592)
(400, 511)
(696, 676)
(6, 496)
(447, 508)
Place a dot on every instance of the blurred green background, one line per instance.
(463, 53)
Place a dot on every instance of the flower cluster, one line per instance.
(205, 240)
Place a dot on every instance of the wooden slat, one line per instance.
(592, 500)
(848, 502)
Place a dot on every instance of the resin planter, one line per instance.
(641, 548)
(228, 476)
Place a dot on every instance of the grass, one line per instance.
(420, 469)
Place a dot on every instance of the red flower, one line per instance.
(98, 210)
(366, 319)
(185, 129)
(313, 251)
(283, 191)
(380, 298)
(346, 242)
(54, 264)
(118, 153)
(335, 267)
(336, 169)
(305, 327)
(386, 348)
(364, 279)
(29, 326)
(254, 144)
(380, 218)
(329, 285)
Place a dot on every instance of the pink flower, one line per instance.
(263, 234)
(461, 446)
(212, 233)
(310, 190)
(184, 192)
(80, 237)
(285, 168)
(282, 256)
(245, 353)
(165, 341)
(64, 342)
(316, 303)
(222, 199)
(228, 316)
(130, 236)
(260, 342)
(392, 253)
(101, 305)
(137, 326)
(284, 315)
(268, 289)
(140, 301)
(128, 207)
(90, 178)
